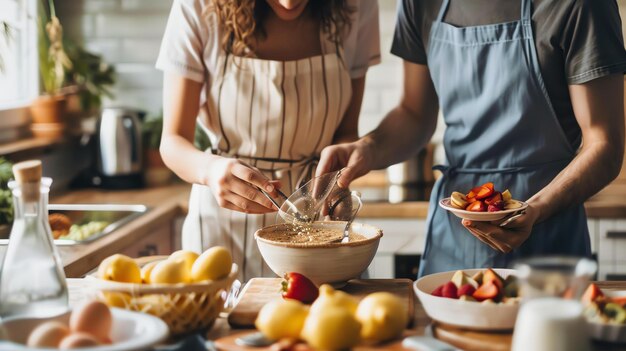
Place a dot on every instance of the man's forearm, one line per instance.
(399, 136)
(593, 168)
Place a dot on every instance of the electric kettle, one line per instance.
(118, 144)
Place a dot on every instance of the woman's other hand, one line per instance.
(504, 239)
(234, 186)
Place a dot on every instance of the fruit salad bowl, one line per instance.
(605, 323)
(481, 216)
(465, 314)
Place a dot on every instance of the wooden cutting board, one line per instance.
(259, 291)
(229, 343)
(469, 340)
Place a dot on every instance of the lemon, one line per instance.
(146, 270)
(116, 299)
(214, 264)
(169, 272)
(119, 268)
(331, 329)
(383, 317)
(330, 298)
(282, 319)
(189, 257)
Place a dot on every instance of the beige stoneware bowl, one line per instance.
(334, 263)
(465, 314)
(481, 216)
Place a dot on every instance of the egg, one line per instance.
(78, 340)
(48, 334)
(93, 318)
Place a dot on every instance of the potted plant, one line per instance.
(89, 80)
(48, 109)
(156, 172)
(6, 198)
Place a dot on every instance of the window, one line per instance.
(18, 50)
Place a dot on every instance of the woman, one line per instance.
(272, 82)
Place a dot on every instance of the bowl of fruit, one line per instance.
(478, 299)
(184, 289)
(483, 203)
(606, 314)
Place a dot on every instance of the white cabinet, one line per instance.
(401, 236)
(612, 248)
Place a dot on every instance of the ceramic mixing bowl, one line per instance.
(333, 263)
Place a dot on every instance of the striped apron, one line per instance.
(276, 116)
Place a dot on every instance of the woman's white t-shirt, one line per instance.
(192, 40)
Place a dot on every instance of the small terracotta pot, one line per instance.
(153, 159)
(48, 109)
(156, 172)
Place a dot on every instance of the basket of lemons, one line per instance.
(184, 289)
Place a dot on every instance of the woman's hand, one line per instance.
(504, 239)
(355, 156)
(234, 186)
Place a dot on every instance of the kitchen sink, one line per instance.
(114, 216)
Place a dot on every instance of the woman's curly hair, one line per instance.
(241, 21)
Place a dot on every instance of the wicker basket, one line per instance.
(183, 307)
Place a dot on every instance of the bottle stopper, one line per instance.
(28, 175)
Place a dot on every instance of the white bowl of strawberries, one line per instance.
(483, 203)
(478, 299)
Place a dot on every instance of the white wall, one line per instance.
(128, 34)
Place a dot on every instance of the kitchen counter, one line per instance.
(165, 204)
(170, 202)
(77, 288)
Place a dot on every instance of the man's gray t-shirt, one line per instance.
(577, 40)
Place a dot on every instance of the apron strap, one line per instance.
(526, 11)
(442, 10)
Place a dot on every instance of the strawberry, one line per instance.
(496, 197)
(484, 193)
(449, 290)
(477, 206)
(298, 287)
(473, 192)
(488, 185)
(466, 289)
(438, 291)
(592, 294)
(495, 207)
(487, 291)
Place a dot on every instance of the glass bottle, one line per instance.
(32, 281)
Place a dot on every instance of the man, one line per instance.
(532, 93)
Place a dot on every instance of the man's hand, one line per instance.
(504, 239)
(355, 157)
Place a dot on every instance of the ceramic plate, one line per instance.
(480, 216)
(466, 314)
(130, 331)
(615, 333)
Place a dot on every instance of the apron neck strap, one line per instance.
(442, 10)
(526, 10)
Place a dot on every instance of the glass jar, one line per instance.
(32, 281)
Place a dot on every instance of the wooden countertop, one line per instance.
(165, 203)
(77, 288)
(169, 202)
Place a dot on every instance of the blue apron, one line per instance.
(500, 127)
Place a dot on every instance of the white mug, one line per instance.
(551, 324)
